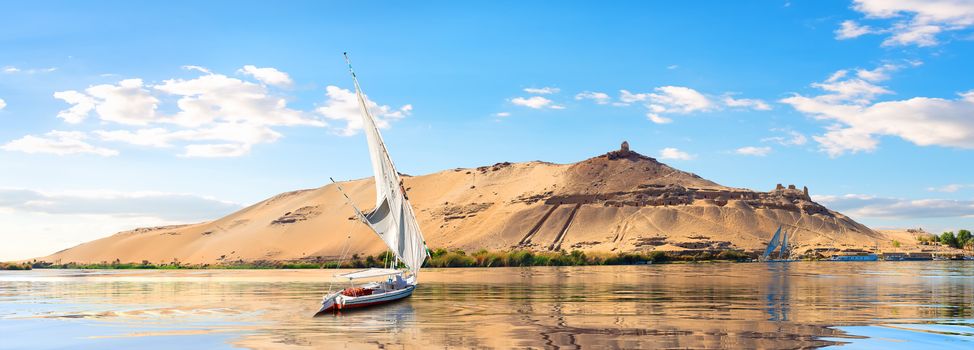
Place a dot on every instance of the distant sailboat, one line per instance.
(392, 220)
(779, 240)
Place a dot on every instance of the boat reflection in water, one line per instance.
(777, 291)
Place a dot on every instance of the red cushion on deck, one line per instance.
(356, 292)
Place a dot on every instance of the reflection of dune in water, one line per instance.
(176, 332)
(140, 314)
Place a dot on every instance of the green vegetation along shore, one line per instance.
(14, 266)
(438, 258)
(962, 240)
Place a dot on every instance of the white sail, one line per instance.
(784, 247)
(773, 244)
(393, 218)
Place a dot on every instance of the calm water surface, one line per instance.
(846, 305)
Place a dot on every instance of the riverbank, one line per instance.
(438, 258)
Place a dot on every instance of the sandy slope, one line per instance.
(609, 198)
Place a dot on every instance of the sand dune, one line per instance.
(620, 201)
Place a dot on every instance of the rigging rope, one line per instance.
(341, 258)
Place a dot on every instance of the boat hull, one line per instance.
(867, 257)
(336, 302)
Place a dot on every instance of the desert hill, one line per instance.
(619, 201)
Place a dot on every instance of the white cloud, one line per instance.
(58, 143)
(850, 29)
(950, 188)
(213, 114)
(882, 72)
(203, 100)
(217, 97)
(599, 97)
(217, 150)
(867, 206)
(920, 35)
(342, 105)
(793, 138)
(679, 99)
(29, 71)
(656, 118)
(666, 101)
(269, 75)
(857, 120)
(81, 105)
(535, 102)
(154, 137)
(837, 141)
(673, 153)
(235, 139)
(672, 66)
(857, 91)
(200, 69)
(914, 22)
(502, 114)
(3, 104)
(128, 103)
(754, 104)
(543, 91)
(669, 100)
(628, 97)
(753, 151)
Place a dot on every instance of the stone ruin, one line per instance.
(624, 153)
(792, 191)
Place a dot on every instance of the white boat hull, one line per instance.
(337, 301)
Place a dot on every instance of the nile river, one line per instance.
(847, 305)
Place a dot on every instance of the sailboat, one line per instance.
(779, 240)
(785, 252)
(392, 220)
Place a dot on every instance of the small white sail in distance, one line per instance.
(393, 218)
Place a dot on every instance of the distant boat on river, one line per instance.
(857, 257)
(779, 240)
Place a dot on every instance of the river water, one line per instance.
(845, 305)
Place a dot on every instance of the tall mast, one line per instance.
(364, 102)
(393, 218)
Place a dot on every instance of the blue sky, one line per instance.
(123, 114)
